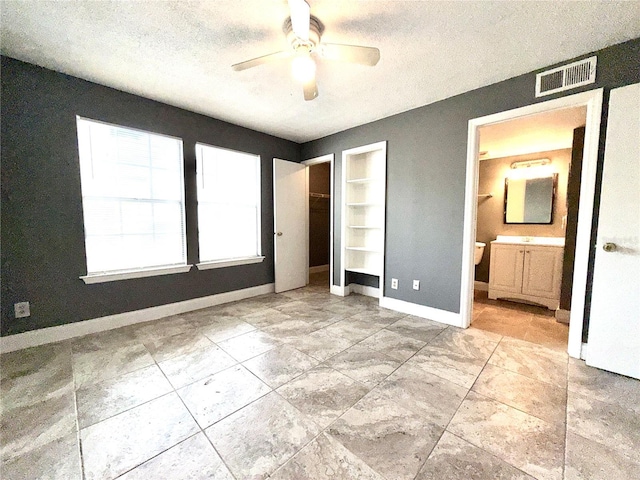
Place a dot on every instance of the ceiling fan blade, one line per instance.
(310, 89)
(254, 62)
(350, 53)
(300, 15)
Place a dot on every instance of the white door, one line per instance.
(614, 324)
(290, 224)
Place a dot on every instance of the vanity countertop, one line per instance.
(524, 240)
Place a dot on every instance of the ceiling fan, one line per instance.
(304, 32)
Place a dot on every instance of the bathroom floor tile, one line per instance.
(98, 365)
(430, 396)
(353, 330)
(532, 361)
(29, 427)
(417, 328)
(256, 440)
(323, 394)
(98, 401)
(213, 398)
(456, 459)
(192, 458)
(587, 459)
(116, 445)
(321, 344)
(325, 459)
(56, 460)
(393, 344)
(392, 440)
(196, 365)
(225, 328)
(248, 345)
(536, 398)
(611, 425)
(524, 441)
(364, 365)
(165, 348)
(278, 366)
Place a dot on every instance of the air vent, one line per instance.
(568, 76)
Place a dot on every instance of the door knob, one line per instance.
(279, 234)
(609, 247)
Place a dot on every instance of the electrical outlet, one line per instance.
(394, 283)
(21, 309)
(416, 284)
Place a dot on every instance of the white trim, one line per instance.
(583, 351)
(319, 268)
(230, 262)
(129, 274)
(592, 99)
(364, 290)
(430, 313)
(85, 327)
(330, 157)
(480, 286)
(340, 291)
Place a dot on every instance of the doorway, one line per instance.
(592, 101)
(319, 183)
(528, 180)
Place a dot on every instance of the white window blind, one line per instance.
(132, 197)
(228, 203)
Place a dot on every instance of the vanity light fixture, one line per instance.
(531, 163)
(538, 168)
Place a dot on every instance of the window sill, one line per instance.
(129, 274)
(229, 262)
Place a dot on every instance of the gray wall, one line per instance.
(492, 173)
(426, 170)
(42, 227)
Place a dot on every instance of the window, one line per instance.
(132, 198)
(228, 207)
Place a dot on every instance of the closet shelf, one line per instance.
(363, 180)
(485, 195)
(364, 249)
(367, 271)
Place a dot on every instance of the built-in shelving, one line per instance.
(364, 171)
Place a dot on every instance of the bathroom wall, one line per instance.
(319, 208)
(491, 209)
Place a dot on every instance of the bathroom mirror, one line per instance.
(529, 200)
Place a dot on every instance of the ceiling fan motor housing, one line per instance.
(316, 28)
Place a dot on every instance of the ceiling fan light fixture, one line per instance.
(303, 67)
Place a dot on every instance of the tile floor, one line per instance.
(305, 385)
(526, 322)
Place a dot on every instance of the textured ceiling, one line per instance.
(531, 134)
(181, 52)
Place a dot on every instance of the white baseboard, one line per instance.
(340, 291)
(364, 290)
(481, 286)
(95, 325)
(583, 351)
(423, 311)
(319, 269)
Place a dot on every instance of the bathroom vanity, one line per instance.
(526, 269)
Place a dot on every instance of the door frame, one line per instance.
(592, 99)
(328, 158)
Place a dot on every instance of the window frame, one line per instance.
(230, 262)
(138, 272)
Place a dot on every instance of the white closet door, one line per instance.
(614, 324)
(290, 224)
